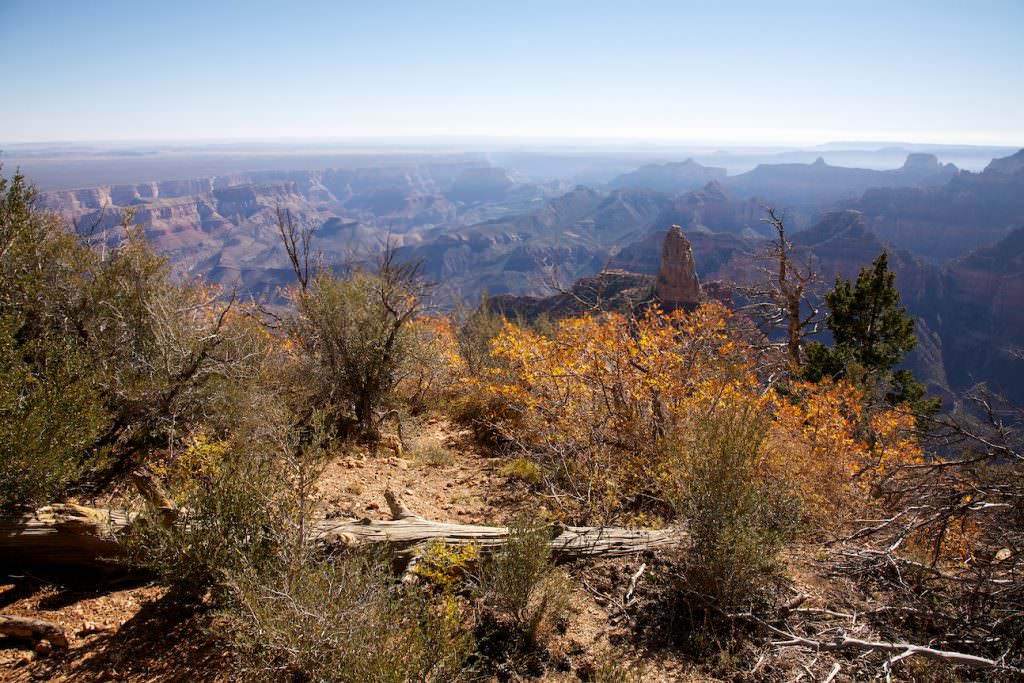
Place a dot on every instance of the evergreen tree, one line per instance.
(872, 333)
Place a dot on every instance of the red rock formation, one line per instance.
(677, 284)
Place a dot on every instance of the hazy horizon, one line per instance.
(383, 142)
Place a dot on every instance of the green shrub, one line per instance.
(102, 351)
(736, 517)
(475, 334)
(51, 415)
(345, 619)
(52, 410)
(525, 597)
(242, 503)
(242, 531)
(524, 470)
(354, 332)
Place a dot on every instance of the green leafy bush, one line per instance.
(102, 352)
(524, 596)
(353, 330)
(475, 334)
(242, 503)
(51, 415)
(523, 469)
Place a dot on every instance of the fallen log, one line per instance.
(571, 543)
(27, 627)
(75, 535)
(61, 535)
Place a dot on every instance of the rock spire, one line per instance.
(677, 284)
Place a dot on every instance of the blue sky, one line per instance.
(742, 72)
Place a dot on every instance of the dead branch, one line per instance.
(398, 509)
(297, 244)
(27, 627)
(632, 584)
(843, 643)
(152, 491)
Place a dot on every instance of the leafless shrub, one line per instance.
(950, 549)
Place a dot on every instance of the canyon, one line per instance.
(954, 236)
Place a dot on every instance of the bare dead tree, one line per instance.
(297, 244)
(786, 293)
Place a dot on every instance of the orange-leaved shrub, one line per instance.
(616, 410)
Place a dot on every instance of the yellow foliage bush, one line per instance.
(445, 565)
(523, 469)
(435, 365)
(200, 462)
(609, 406)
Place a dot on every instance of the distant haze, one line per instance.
(784, 73)
(59, 166)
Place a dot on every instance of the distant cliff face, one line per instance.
(820, 183)
(981, 316)
(1007, 165)
(940, 223)
(671, 178)
(481, 184)
(676, 285)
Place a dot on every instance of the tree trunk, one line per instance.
(27, 627)
(67, 536)
(73, 536)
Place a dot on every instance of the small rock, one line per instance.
(402, 465)
(407, 492)
(88, 627)
(373, 506)
(43, 648)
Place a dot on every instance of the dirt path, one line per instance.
(442, 476)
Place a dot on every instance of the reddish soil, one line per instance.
(129, 634)
(443, 475)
